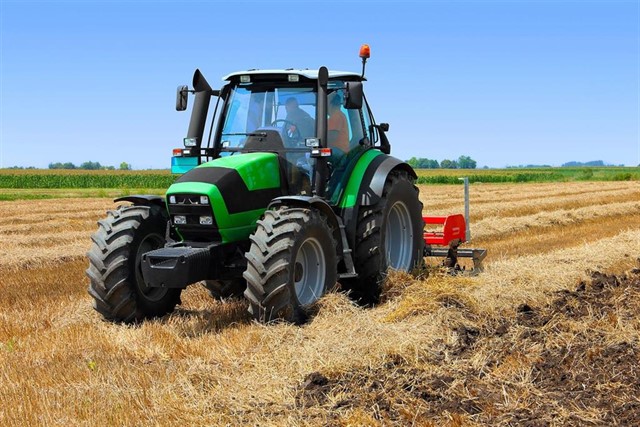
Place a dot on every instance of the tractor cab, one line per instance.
(278, 111)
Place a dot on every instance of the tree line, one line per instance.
(463, 162)
(124, 166)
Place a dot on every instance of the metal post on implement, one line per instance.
(466, 207)
(455, 231)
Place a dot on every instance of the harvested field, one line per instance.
(547, 335)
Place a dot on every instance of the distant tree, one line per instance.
(466, 162)
(430, 164)
(423, 163)
(574, 164)
(596, 163)
(91, 165)
(58, 165)
(448, 164)
(413, 162)
(124, 166)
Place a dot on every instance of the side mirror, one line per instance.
(181, 98)
(353, 96)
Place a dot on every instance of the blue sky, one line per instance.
(505, 82)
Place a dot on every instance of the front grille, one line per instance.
(188, 205)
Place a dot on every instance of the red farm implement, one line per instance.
(453, 231)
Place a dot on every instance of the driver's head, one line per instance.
(291, 104)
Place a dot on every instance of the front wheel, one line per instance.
(290, 265)
(115, 272)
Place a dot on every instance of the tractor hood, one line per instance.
(221, 200)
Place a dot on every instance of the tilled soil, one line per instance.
(567, 363)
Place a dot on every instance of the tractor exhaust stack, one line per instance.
(200, 107)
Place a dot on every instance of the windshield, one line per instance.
(289, 110)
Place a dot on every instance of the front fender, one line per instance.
(315, 203)
(143, 200)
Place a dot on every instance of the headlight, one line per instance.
(204, 200)
(206, 220)
(172, 200)
(190, 142)
(180, 219)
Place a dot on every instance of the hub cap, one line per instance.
(398, 237)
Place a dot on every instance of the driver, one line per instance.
(299, 119)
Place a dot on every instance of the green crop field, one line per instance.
(85, 179)
(450, 176)
(46, 183)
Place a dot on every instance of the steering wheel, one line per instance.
(291, 134)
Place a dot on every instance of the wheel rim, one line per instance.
(148, 244)
(398, 239)
(309, 272)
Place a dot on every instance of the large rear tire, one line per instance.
(115, 274)
(389, 234)
(290, 265)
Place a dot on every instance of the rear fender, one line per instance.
(375, 177)
(365, 189)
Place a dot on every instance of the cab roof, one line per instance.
(306, 73)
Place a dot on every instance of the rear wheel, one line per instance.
(290, 265)
(115, 273)
(389, 234)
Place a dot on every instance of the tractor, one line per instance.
(272, 205)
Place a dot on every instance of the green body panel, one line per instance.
(349, 196)
(259, 171)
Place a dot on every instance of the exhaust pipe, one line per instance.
(200, 107)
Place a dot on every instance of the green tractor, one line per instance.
(293, 191)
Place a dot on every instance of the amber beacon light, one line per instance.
(365, 53)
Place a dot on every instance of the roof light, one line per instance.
(312, 142)
(365, 51)
(294, 78)
(245, 78)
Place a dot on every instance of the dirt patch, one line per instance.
(389, 392)
(572, 362)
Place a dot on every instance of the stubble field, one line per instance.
(547, 335)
